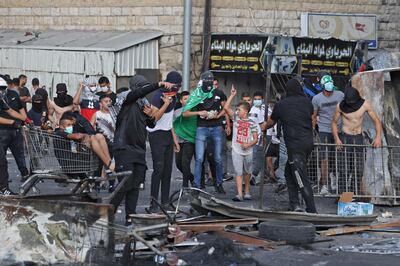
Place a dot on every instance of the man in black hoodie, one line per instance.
(295, 112)
(134, 114)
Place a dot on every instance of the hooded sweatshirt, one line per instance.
(295, 112)
(130, 133)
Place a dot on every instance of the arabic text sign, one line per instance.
(236, 53)
(331, 55)
(343, 26)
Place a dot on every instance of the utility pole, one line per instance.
(187, 32)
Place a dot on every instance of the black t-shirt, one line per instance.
(24, 91)
(36, 117)
(295, 114)
(212, 104)
(12, 99)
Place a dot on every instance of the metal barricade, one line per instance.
(51, 154)
(366, 171)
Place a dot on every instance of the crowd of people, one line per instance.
(273, 139)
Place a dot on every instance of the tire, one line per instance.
(292, 232)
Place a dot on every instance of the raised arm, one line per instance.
(77, 96)
(134, 95)
(377, 143)
(335, 120)
(227, 106)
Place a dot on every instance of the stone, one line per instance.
(151, 20)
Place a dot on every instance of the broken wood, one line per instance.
(348, 230)
(216, 225)
(248, 240)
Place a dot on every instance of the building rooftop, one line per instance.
(112, 41)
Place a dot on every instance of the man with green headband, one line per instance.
(201, 120)
(324, 104)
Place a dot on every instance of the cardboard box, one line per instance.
(355, 208)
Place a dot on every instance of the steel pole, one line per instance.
(187, 23)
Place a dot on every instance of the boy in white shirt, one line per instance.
(245, 136)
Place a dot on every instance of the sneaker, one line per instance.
(128, 222)
(227, 177)
(324, 190)
(111, 189)
(7, 192)
(281, 188)
(237, 198)
(152, 209)
(209, 182)
(296, 208)
(142, 186)
(252, 180)
(247, 196)
(220, 189)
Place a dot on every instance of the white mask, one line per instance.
(104, 89)
(93, 89)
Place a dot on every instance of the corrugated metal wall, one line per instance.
(143, 56)
(56, 66)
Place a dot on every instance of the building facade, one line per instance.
(235, 16)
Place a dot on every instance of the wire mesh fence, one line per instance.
(361, 169)
(50, 153)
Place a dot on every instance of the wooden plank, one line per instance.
(348, 230)
(248, 240)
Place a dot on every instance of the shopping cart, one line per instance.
(66, 161)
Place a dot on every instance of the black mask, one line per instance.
(37, 106)
(352, 100)
(207, 85)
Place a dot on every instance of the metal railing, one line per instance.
(366, 171)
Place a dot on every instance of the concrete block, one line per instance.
(84, 11)
(73, 11)
(4, 11)
(105, 11)
(111, 20)
(66, 20)
(158, 11)
(55, 11)
(131, 20)
(167, 10)
(122, 21)
(20, 11)
(177, 11)
(151, 20)
(127, 11)
(116, 11)
(64, 11)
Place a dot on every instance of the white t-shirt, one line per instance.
(243, 133)
(273, 131)
(257, 114)
(165, 122)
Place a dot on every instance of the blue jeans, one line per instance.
(202, 134)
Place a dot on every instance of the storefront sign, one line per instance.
(332, 55)
(237, 53)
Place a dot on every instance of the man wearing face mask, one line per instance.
(12, 115)
(210, 112)
(61, 104)
(324, 104)
(257, 114)
(38, 113)
(87, 98)
(105, 89)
